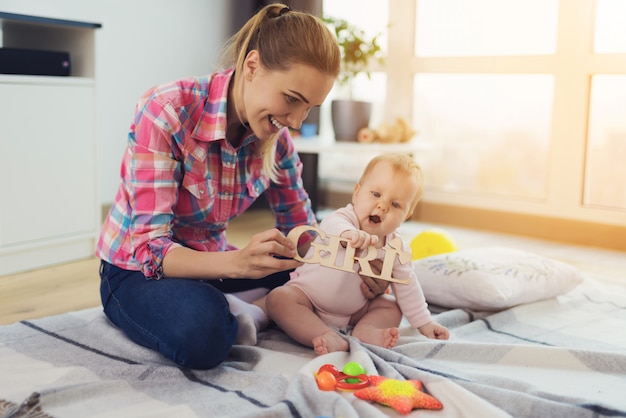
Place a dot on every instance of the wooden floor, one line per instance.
(76, 285)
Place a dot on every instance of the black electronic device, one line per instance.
(34, 62)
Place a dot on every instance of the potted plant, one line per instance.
(357, 51)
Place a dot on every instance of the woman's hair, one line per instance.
(403, 164)
(282, 37)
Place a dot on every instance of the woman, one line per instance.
(200, 151)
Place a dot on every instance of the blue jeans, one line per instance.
(188, 321)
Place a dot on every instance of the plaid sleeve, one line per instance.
(153, 177)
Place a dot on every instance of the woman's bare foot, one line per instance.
(329, 342)
(386, 337)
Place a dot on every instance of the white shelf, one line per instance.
(42, 33)
(48, 154)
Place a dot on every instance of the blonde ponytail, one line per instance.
(282, 37)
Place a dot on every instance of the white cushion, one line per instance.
(492, 278)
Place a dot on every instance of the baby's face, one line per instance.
(382, 201)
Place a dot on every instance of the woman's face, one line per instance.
(276, 99)
(382, 201)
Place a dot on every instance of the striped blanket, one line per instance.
(561, 357)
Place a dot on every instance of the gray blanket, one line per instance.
(562, 357)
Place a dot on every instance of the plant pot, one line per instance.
(349, 116)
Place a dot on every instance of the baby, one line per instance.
(317, 296)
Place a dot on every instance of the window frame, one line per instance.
(572, 67)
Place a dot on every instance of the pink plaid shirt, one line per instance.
(182, 181)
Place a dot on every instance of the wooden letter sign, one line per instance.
(325, 253)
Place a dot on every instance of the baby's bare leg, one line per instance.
(379, 325)
(293, 312)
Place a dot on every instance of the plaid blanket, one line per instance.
(562, 357)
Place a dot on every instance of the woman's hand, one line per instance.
(267, 252)
(371, 287)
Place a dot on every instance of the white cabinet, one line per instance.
(49, 210)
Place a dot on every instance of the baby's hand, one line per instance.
(359, 239)
(435, 331)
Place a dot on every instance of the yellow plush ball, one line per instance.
(431, 242)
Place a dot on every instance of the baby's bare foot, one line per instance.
(329, 342)
(387, 337)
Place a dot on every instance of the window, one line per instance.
(372, 16)
(610, 36)
(490, 132)
(605, 168)
(522, 103)
(485, 27)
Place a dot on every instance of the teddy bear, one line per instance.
(388, 133)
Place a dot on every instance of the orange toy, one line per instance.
(401, 395)
(329, 378)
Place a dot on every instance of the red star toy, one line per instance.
(401, 395)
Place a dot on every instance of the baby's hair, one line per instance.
(282, 37)
(403, 164)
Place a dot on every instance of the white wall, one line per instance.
(141, 43)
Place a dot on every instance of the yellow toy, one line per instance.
(431, 242)
(388, 133)
(401, 395)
